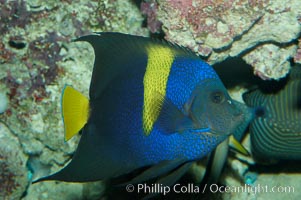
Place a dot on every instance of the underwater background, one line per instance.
(249, 43)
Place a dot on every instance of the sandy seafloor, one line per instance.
(38, 57)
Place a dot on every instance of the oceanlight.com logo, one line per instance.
(213, 188)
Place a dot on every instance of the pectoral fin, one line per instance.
(173, 120)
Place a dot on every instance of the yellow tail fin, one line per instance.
(75, 111)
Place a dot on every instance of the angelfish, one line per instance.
(152, 105)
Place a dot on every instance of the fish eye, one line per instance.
(217, 97)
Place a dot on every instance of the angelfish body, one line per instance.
(151, 104)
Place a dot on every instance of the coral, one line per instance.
(213, 24)
(149, 9)
(43, 55)
(114, 15)
(13, 171)
(297, 57)
(3, 102)
(5, 54)
(52, 190)
(218, 30)
(13, 13)
(270, 61)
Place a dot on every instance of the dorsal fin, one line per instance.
(75, 111)
(116, 53)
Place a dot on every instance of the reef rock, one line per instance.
(297, 57)
(13, 171)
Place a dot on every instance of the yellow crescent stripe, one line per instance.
(159, 63)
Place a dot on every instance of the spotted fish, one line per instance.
(277, 133)
(152, 105)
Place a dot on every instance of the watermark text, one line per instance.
(213, 188)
